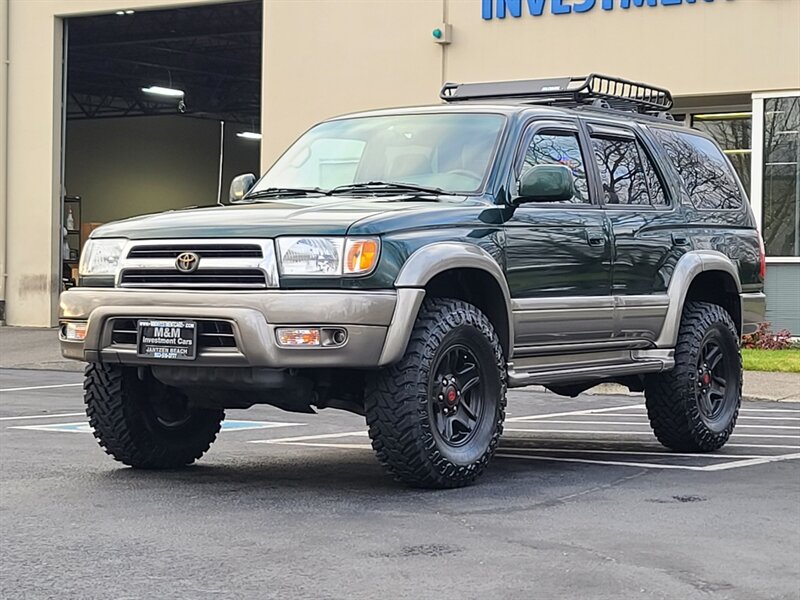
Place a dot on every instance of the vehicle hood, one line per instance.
(302, 216)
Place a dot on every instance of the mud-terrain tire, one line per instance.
(693, 407)
(435, 417)
(145, 424)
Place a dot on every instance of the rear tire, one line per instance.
(436, 416)
(694, 407)
(145, 424)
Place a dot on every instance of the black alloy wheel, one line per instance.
(458, 396)
(714, 395)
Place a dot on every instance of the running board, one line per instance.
(595, 366)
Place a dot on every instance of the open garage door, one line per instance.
(163, 110)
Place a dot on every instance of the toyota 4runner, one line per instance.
(411, 264)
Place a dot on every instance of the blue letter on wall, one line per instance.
(514, 7)
(627, 3)
(585, 6)
(557, 7)
(536, 7)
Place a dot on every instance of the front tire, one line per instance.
(436, 416)
(694, 407)
(143, 423)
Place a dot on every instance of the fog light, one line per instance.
(75, 332)
(298, 337)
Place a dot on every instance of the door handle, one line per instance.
(596, 238)
(679, 239)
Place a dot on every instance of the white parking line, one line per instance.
(655, 444)
(305, 438)
(602, 432)
(41, 387)
(643, 416)
(664, 453)
(570, 422)
(741, 410)
(733, 464)
(55, 415)
(592, 411)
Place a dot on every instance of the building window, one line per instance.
(781, 176)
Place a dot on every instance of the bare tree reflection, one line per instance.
(559, 149)
(703, 169)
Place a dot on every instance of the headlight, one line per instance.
(327, 257)
(101, 256)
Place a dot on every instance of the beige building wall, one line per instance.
(325, 57)
(31, 234)
(703, 48)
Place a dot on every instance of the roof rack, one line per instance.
(598, 90)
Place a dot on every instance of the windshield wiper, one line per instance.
(277, 192)
(386, 186)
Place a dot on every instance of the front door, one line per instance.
(558, 254)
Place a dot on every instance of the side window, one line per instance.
(705, 171)
(559, 148)
(627, 173)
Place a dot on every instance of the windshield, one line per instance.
(451, 152)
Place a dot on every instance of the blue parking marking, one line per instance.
(227, 425)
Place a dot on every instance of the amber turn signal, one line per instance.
(360, 257)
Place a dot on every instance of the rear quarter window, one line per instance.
(704, 169)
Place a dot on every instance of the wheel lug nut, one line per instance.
(441, 397)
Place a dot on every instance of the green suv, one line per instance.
(411, 264)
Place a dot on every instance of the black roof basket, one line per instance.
(599, 90)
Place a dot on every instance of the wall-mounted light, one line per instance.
(249, 135)
(163, 91)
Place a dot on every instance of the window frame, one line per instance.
(757, 165)
(565, 126)
(623, 131)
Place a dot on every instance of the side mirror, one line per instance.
(240, 186)
(546, 183)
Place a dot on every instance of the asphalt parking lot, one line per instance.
(581, 502)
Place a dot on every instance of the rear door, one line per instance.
(558, 254)
(646, 228)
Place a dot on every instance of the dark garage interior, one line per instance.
(129, 151)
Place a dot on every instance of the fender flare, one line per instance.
(431, 260)
(689, 266)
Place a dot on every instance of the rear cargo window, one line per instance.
(706, 173)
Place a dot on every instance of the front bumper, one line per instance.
(378, 324)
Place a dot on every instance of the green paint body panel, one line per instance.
(546, 250)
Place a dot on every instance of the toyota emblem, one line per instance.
(187, 262)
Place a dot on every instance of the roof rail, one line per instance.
(600, 90)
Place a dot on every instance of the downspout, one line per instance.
(5, 18)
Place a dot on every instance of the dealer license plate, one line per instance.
(176, 340)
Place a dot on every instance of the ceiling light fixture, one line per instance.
(249, 135)
(723, 116)
(122, 13)
(163, 91)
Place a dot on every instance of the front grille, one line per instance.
(202, 250)
(210, 333)
(219, 278)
